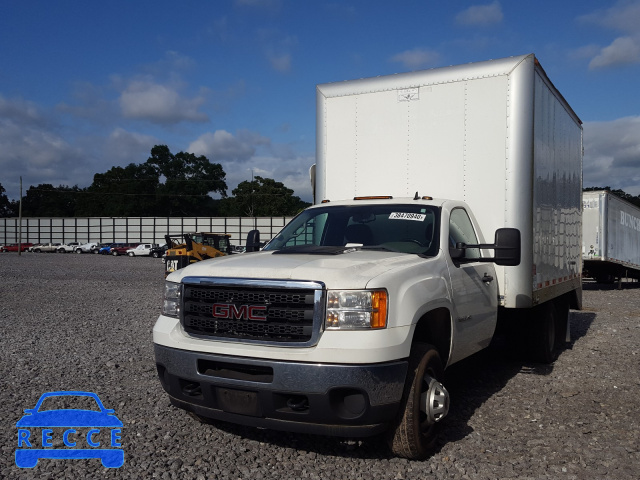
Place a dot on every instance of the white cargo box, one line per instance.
(497, 135)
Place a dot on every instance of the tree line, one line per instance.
(166, 185)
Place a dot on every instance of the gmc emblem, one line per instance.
(230, 311)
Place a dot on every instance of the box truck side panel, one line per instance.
(557, 194)
(623, 232)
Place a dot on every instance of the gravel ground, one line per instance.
(83, 322)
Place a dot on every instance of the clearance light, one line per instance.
(356, 309)
(427, 198)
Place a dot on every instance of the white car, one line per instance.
(86, 247)
(144, 250)
(68, 247)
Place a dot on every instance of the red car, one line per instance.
(13, 247)
(121, 248)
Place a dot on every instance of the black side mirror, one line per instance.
(507, 248)
(253, 241)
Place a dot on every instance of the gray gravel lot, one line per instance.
(83, 322)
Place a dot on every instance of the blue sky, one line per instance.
(85, 86)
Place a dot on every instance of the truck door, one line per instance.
(474, 291)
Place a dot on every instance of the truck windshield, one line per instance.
(399, 228)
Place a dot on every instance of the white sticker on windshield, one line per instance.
(418, 217)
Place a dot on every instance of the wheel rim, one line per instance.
(434, 402)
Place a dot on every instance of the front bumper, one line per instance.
(329, 399)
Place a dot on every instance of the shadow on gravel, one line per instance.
(626, 285)
(470, 382)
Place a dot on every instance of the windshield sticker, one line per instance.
(418, 217)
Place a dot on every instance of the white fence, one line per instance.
(133, 229)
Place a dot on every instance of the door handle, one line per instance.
(487, 278)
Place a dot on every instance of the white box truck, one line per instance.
(610, 237)
(344, 323)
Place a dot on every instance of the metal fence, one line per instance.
(133, 229)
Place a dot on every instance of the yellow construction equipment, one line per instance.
(188, 248)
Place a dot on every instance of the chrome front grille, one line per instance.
(289, 312)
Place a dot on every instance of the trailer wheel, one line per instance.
(424, 403)
(543, 337)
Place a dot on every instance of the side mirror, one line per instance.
(507, 248)
(253, 241)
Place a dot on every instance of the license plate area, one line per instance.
(242, 402)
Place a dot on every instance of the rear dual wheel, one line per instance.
(425, 402)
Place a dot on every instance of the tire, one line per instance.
(78, 250)
(155, 254)
(131, 254)
(543, 338)
(115, 253)
(37, 250)
(424, 403)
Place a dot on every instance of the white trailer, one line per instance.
(344, 323)
(610, 237)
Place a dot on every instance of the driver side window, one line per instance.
(461, 230)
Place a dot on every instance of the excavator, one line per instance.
(188, 248)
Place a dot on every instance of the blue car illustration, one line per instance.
(92, 424)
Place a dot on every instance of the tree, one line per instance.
(45, 200)
(188, 181)
(121, 192)
(263, 197)
(7, 207)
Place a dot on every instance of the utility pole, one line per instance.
(20, 221)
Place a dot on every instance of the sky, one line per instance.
(86, 86)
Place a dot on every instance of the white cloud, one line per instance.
(161, 104)
(32, 148)
(222, 147)
(123, 147)
(481, 15)
(612, 154)
(417, 58)
(623, 17)
(623, 51)
(247, 153)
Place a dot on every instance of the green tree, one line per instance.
(7, 207)
(188, 181)
(122, 191)
(45, 200)
(263, 197)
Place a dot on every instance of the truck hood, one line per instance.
(352, 269)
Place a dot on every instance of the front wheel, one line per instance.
(115, 253)
(131, 254)
(425, 402)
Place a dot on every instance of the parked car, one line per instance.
(45, 247)
(103, 248)
(142, 250)
(122, 248)
(157, 252)
(68, 247)
(86, 247)
(13, 247)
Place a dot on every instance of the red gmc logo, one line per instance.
(243, 312)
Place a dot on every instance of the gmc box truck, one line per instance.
(610, 237)
(447, 204)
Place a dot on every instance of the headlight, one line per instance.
(171, 303)
(356, 309)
